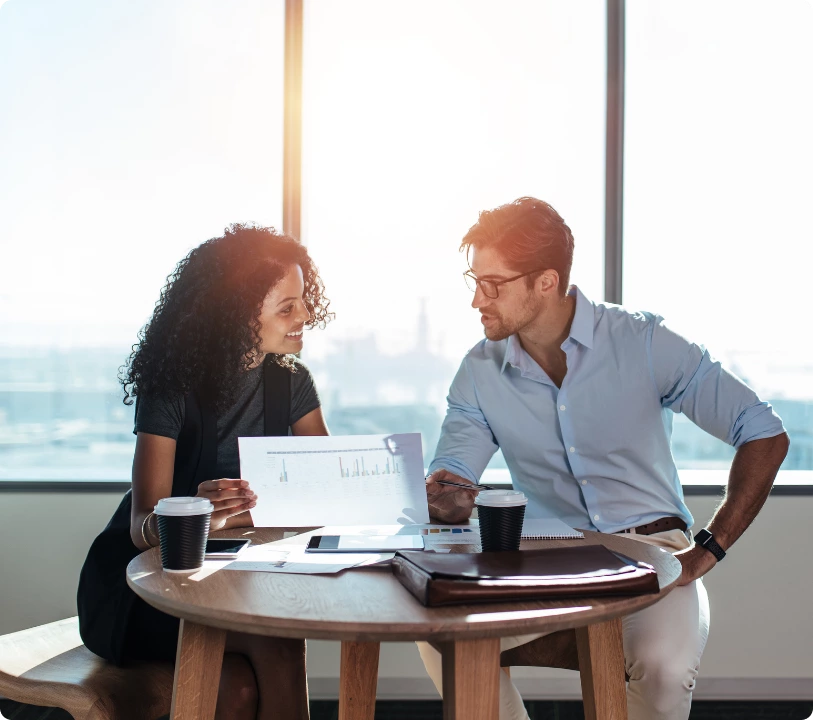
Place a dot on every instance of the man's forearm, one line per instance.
(752, 475)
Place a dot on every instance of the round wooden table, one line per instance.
(364, 607)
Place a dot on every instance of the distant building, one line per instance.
(62, 416)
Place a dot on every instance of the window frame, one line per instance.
(788, 482)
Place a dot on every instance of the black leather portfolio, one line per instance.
(583, 571)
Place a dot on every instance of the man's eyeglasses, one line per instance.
(491, 288)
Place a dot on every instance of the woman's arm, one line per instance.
(153, 467)
(311, 424)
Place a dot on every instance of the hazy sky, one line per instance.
(130, 132)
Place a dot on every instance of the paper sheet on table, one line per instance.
(433, 535)
(548, 529)
(280, 558)
(430, 541)
(425, 529)
(353, 479)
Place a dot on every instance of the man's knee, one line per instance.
(663, 680)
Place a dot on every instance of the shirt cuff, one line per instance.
(157, 431)
(756, 423)
(301, 412)
(453, 466)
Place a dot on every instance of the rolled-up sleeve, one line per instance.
(466, 442)
(691, 382)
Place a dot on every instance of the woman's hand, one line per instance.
(230, 497)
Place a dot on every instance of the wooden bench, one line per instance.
(48, 665)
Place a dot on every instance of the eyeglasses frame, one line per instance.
(496, 283)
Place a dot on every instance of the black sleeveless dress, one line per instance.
(114, 622)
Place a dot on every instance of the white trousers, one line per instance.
(662, 648)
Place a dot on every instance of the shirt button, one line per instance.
(572, 449)
(584, 482)
(562, 407)
(595, 517)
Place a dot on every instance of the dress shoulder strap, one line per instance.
(196, 449)
(277, 398)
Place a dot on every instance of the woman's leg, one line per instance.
(153, 635)
(237, 694)
(279, 668)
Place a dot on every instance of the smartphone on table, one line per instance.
(225, 548)
(364, 543)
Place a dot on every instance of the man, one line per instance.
(579, 396)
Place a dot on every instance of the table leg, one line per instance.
(471, 679)
(601, 665)
(197, 671)
(358, 678)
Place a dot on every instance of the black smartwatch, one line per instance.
(705, 539)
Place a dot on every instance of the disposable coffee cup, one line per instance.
(183, 527)
(501, 513)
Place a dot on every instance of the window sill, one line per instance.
(67, 486)
(695, 482)
(701, 482)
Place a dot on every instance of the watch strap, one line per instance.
(705, 539)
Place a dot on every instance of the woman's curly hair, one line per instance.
(205, 328)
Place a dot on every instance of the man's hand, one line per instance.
(696, 562)
(749, 483)
(447, 503)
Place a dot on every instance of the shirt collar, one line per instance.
(581, 330)
(512, 352)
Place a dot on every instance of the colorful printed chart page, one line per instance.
(335, 480)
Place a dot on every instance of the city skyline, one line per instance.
(62, 415)
(115, 170)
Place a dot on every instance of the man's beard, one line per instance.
(501, 331)
(505, 328)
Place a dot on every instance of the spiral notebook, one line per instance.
(548, 529)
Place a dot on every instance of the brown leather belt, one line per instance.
(662, 525)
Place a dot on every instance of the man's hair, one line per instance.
(529, 234)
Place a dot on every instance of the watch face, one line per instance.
(706, 540)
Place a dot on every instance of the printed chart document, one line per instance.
(281, 558)
(339, 479)
(433, 535)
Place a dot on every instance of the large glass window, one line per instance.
(130, 133)
(717, 190)
(417, 115)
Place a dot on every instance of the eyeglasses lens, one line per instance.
(489, 288)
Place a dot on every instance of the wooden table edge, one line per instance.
(384, 632)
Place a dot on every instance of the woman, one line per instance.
(214, 363)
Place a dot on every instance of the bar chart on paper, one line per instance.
(326, 465)
(355, 479)
(355, 467)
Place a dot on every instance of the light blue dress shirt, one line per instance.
(595, 452)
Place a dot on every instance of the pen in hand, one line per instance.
(475, 488)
